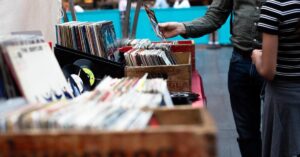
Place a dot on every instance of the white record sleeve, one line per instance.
(37, 72)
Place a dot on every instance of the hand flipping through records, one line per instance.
(172, 29)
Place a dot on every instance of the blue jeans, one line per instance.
(245, 86)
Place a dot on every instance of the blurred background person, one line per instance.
(213, 40)
(182, 4)
(161, 4)
(77, 7)
(213, 37)
(122, 5)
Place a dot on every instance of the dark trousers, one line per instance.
(245, 86)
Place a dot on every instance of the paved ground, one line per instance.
(212, 65)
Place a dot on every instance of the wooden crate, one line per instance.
(182, 132)
(179, 77)
(184, 46)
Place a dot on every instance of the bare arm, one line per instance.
(266, 60)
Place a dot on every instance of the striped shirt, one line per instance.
(280, 17)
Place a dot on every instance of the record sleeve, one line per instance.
(109, 41)
(154, 22)
(36, 72)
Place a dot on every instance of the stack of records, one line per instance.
(143, 57)
(147, 44)
(97, 38)
(29, 68)
(115, 105)
(7, 106)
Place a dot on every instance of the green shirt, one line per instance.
(244, 34)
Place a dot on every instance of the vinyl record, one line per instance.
(180, 98)
(78, 77)
(89, 69)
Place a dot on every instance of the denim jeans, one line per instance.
(245, 85)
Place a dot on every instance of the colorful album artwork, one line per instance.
(154, 22)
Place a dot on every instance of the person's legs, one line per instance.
(285, 134)
(244, 87)
(267, 123)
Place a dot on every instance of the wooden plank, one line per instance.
(178, 76)
(170, 139)
(3, 148)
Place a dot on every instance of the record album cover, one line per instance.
(36, 72)
(154, 22)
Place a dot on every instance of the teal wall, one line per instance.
(144, 29)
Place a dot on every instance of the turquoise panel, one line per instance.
(144, 29)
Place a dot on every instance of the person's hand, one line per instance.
(171, 29)
(256, 56)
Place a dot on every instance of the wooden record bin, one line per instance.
(184, 46)
(181, 132)
(179, 76)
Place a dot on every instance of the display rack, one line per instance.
(104, 66)
(184, 46)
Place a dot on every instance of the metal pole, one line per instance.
(127, 18)
(71, 3)
(136, 18)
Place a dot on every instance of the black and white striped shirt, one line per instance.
(280, 17)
